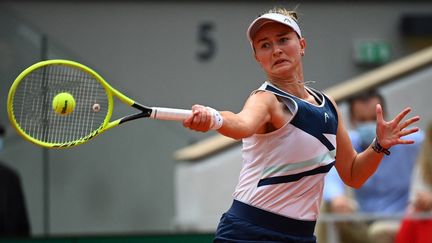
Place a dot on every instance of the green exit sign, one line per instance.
(372, 52)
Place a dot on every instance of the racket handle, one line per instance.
(171, 114)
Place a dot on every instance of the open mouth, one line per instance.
(279, 62)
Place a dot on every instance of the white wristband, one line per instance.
(217, 119)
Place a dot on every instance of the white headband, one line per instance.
(269, 17)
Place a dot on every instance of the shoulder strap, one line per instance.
(288, 99)
(271, 88)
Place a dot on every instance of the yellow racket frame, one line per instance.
(110, 92)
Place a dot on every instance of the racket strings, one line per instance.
(32, 104)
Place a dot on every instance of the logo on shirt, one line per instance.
(326, 117)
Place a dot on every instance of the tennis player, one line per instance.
(292, 135)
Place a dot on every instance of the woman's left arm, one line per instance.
(355, 168)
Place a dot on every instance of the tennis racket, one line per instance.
(62, 103)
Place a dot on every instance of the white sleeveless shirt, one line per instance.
(283, 171)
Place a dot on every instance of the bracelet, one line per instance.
(217, 119)
(378, 148)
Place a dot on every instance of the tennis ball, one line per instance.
(63, 103)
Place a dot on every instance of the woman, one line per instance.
(422, 180)
(290, 133)
(417, 230)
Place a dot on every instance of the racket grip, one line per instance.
(171, 114)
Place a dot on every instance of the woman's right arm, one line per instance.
(259, 109)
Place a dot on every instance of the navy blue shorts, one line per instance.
(246, 224)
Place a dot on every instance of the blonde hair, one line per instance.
(425, 157)
(280, 10)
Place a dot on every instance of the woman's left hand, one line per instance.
(390, 133)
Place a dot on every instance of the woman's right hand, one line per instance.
(200, 120)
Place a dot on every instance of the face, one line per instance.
(278, 50)
(364, 110)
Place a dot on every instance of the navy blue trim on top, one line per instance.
(295, 177)
(272, 221)
(314, 120)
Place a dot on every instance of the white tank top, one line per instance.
(283, 171)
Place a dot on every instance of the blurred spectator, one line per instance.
(420, 230)
(13, 214)
(386, 191)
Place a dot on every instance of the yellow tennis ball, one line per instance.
(63, 103)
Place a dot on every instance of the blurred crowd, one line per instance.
(396, 201)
